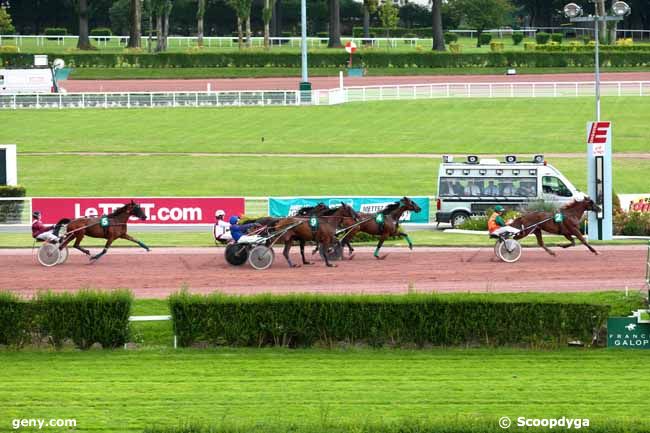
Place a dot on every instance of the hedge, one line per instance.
(11, 211)
(371, 59)
(420, 319)
(101, 31)
(85, 318)
(398, 32)
(55, 31)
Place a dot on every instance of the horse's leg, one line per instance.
(540, 242)
(572, 242)
(134, 240)
(285, 253)
(405, 235)
(576, 232)
(381, 242)
(77, 243)
(109, 241)
(302, 253)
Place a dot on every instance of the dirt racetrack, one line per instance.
(282, 83)
(203, 270)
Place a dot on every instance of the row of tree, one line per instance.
(274, 16)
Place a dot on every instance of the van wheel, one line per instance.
(458, 218)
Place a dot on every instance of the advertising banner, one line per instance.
(626, 332)
(635, 202)
(159, 210)
(286, 206)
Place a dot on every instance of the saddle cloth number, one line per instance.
(558, 217)
(313, 222)
(103, 221)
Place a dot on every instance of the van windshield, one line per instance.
(488, 187)
(553, 185)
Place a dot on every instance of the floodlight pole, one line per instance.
(303, 40)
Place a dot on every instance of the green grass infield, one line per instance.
(526, 125)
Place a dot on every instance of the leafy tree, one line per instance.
(369, 7)
(484, 14)
(267, 15)
(120, 16)
(6, 27)
(135, 21)
(83, 42)
(200, 14)
(388, 15)
(436, 26)
(243, 11)
(414, 15)
(335, 24)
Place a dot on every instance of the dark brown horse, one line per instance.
(109, 227)
(384, 224)
(566, 224)
(320, 229)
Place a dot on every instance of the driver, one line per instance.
(238, 230)
(221, 228)
(497, 225)
(42, 232)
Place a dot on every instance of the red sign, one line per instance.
(159, 210)
(598, 136)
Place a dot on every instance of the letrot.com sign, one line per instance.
(626, 332)
(159, 210)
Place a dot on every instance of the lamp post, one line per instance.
(599, 134)
(305, 85)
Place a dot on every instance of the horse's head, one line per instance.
(135, 210)
(349, 212)
(410, 204)
(591, 205)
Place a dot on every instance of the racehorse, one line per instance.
(110, 227)
(384, 224)
(320, 229)
(566, 222)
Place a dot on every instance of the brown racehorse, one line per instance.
(320, 229)
(92, 226)
(569, 227)
(384, 224)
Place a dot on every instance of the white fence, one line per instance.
(320, 97)
(312, 42)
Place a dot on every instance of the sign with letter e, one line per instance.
(599, 137)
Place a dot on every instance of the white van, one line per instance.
(36, 80)
(474, 185)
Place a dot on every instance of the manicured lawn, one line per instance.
(425, 126)
(187, 73)
(93, 176)
(123, 391)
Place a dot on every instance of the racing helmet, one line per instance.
(234, 219)
(36, 214)
(499, 208)
(220, 213)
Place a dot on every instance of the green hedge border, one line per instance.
(629, 58)
(396, 320)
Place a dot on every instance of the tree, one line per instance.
(369, 7)
(6, 26)
(200, 14)
(267, 15)
(135, 20)
(484, 14)
(388, 16)
(436, 26)
(83, 42)
(335, 24)
(162, 9)
(243, 11)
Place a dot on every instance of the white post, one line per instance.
(60, 101)
(173, 99)
(150, 100)
(490, 90)
(341, 80)
(533, 90)
(448, 90)
(37, 103)
(196, 103)
(209, 87)
(576, 88)
(555, 90)
(619, 88)
(512, 90)
(128, 100)
(15, 106)
(105, 100)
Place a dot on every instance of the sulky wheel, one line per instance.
(261, 257)
(334, 252)
(49, 254)
(236, 254)
(510, 250)
(64, 253)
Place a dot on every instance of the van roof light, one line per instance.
(472, 159)
(447, 159)
(511, 159)
(538, 159)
